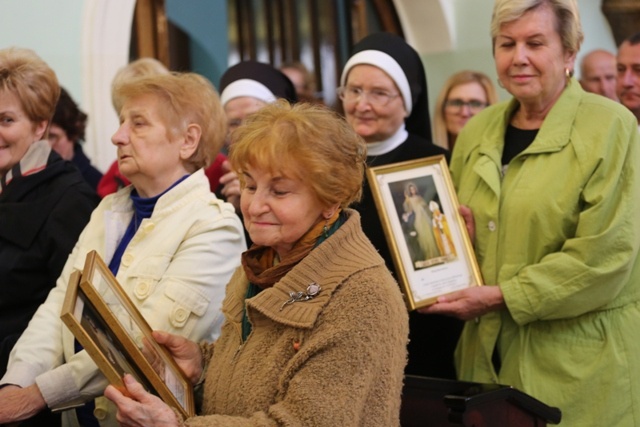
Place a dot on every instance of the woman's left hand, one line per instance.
(20, 403)
(468, 303)
(142, 408)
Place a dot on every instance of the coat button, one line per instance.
(142, 289)
(148, 227)
(100, 413)
(181, 315)
(491, 226)
(127, 259)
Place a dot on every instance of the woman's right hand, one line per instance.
(469, 221)
(186, 353)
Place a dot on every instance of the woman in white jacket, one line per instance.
(171, 244)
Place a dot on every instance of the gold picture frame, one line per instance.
(117, 337)
(427, 237)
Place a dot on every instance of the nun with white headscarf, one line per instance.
(244, 89)
(383, 89)
(250, 85)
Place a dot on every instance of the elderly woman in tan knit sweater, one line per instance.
(316, 330)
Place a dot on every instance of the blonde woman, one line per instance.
(551, 178)
(464, 95)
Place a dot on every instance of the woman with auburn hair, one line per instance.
(289, 353)
(463, 95)
(167, 239)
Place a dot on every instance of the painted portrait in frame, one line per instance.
(127, 330)
(418, 208)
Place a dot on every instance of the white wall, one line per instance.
(469, 21)
(52, 29)
(85, 42)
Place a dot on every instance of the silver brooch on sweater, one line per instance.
(312, 290)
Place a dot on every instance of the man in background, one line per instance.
(598, 73)
(628, 66)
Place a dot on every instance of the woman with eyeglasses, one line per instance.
(384, 98)
(463, 95)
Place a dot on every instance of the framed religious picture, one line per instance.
(427, 237)
(94, 335)
(109, 326)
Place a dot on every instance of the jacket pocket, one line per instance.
(185, 302)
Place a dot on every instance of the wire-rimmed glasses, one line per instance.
(376, 97)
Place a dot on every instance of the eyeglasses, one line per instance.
(233, 124)
(376, 97)
(457, 105)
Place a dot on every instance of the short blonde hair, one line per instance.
(186, 98)
(34, 83)
(307, 142)
(141, 67)
(440, 133)
(566, 11)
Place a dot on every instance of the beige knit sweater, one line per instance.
(335, 360)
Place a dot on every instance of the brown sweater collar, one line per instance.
(328, 265)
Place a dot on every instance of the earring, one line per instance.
(325, 228)
(567, 73)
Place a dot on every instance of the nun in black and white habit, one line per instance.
(432, 338)
(245, 88)
(258, 80)
(250, 85)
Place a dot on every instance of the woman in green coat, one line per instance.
(551, 184)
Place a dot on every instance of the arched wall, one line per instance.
(106, 34)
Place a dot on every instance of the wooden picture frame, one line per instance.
(427, 237)
(92, 333)
(98, 294)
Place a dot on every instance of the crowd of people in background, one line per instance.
(549, 189)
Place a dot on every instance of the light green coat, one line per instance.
(559, 233)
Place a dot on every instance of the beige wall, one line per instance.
(467, 45)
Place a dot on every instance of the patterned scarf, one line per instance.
(261, 264)
(33, 161)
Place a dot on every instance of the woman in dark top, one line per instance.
(384, 97)
(44, 201)
(66, 136)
